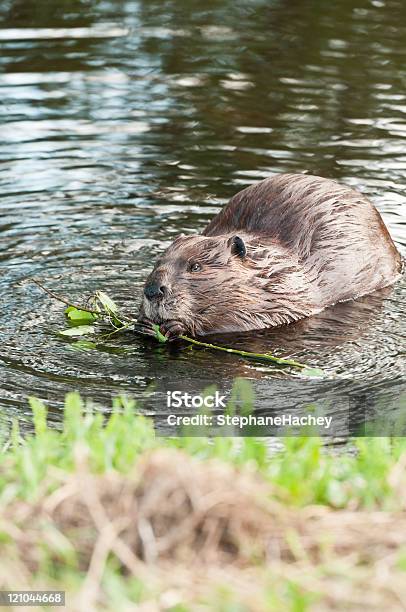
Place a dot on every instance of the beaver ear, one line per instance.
(237, 245)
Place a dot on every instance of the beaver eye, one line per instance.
(195, 267)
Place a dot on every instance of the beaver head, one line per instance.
(224, 283)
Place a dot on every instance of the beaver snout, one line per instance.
(154, 291)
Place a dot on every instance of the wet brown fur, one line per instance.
(310, 243)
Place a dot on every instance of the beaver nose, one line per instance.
(154, 291)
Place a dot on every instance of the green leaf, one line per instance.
(159, 336)
(313, 372)
(81, 330)
(83, 345)
(107, 303)
(74, 314)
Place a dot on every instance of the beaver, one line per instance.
(282, 249)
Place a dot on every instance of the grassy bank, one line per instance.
(123, 520)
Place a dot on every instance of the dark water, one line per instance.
(124, 123)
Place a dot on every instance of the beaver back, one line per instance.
(333, 231)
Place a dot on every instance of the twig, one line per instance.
(262, 356)
(62, 299)
(125, 326)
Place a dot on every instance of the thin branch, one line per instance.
(107, 336)
(62, 299)
(257, 356)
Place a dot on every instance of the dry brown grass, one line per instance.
(184, 526)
